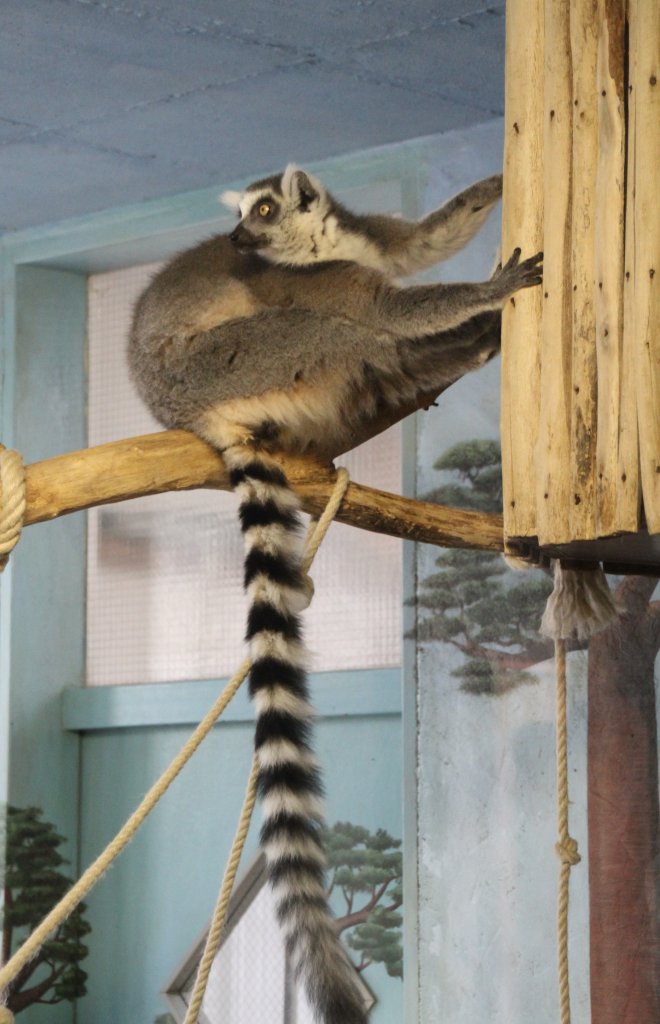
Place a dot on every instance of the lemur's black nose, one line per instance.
(234, 236)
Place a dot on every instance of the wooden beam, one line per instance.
(552, 454)
(176, 460)
(642, 283)
(522, 225)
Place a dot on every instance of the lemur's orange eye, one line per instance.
(264, 209)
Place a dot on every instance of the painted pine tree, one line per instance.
(33, 884)
(365, 867)
(488, 612)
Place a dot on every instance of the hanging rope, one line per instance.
(566, 847)
(12, 504)
(317, 531)
(62, 910)
(219, 918)
(580, 605)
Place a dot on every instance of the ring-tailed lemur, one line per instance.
(285, 334)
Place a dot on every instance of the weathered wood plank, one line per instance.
(642, 302)
(617, 479)
(522, 226)
(553, 491)
(584, 51)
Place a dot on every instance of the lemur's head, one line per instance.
(281, 217)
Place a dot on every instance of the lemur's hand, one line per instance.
(514, 275)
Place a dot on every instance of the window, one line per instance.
(164, 585)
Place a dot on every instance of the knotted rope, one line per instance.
(580, 605)
(12, 504)
(62, 910)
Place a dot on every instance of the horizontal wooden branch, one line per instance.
(176, 460)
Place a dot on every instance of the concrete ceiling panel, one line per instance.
(105, 103)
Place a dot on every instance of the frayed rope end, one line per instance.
(580, 604)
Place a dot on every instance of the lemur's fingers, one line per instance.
(515, 275)
(512, 260)
(532, 270)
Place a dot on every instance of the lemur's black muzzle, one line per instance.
(244, 239)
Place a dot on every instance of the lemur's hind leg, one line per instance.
(441, 359)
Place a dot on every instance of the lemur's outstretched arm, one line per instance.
(293, 219)
(407, 247)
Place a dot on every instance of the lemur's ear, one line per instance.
(232, 200)
(302, 188)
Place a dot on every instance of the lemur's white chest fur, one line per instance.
(316, 237)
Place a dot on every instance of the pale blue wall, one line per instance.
(152, 906)
(42, 599)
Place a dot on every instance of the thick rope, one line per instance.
(219, 918)
(317, 531)
(12, 504)
(580, 605)
(62, 910)
(566, 847)
(319, 527)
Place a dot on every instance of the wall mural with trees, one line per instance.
(364, 868)
(33, 883)
(476, 633)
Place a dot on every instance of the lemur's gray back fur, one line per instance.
(287, 334)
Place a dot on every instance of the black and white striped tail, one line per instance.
(289, 783)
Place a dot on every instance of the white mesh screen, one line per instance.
(248, 978)
(164, 591)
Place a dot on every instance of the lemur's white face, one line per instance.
(281, 218)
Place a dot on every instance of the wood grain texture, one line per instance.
(581, 431)
(584, 50)
(642, 302)
(176, 460)
(522, 225)
(617, 485)
(553, 495)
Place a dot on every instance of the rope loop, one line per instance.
(12, 503)
(319, 527)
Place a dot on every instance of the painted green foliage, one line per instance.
(365, 867)
(488, 612)
(33, 883)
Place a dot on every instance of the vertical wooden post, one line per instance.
(582, 270)
(553, 447)
(616, 463)
(642, 275)
(522, 226)
(580, 418)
